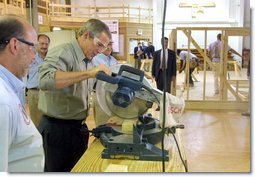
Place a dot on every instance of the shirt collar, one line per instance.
(38, 55)
(103, 56)
(15, 83)
(78, 50)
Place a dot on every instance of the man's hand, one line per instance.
(103, 68)
(153, 79)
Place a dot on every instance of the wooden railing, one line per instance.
(241, 88)
(78, 13)
(13, 7)
(122, 13)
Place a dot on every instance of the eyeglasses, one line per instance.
(101, 47)
(34, 46)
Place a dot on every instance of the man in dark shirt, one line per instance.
(150, 50)
(170, 67)
(138, 53)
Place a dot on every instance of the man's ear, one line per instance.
(86, 35)
(14, 46)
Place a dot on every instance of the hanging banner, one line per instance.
(114, 28)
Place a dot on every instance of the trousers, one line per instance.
(64, 142)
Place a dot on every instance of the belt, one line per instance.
(64, 121)
(35, 88)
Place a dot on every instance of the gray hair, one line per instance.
(10, 26)
(95, 27)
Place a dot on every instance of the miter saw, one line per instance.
(124, 128)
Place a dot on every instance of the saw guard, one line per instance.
(104, 92)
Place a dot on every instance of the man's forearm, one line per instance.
(66, 79)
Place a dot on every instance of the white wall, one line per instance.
(227, 13)
(218, 13)
(60, 37)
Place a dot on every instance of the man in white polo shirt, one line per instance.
(21, 147)
(214, 51)
(193, 63)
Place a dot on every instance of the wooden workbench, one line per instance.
(91, 160)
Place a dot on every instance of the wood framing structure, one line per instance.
(131, 19)
(241, 102)
(13, 7)
(72, 16)
(48, 15)
(129, 31)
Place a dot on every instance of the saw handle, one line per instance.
(131, 70)
(104, 77)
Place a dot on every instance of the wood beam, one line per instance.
(224, 80)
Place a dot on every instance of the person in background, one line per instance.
(21, 148)
(170, 67)
(138, 52)
(144, 48)
(64, 81)
(32, 78)
(150, 50)
(193, 63)
(105, 57)
(214, 51)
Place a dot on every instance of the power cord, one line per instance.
(164, 86)
(172, 131)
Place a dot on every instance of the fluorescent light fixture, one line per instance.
(56, 28)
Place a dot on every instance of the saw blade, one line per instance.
(142, 102)
(105, 90)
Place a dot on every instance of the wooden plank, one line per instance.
(223, 65)
(240, 82)
(201, 52)
(237, 70)
(242, 95)
(187, 66)
(205, 4)
(116, 168)
(211, 65)
(205, 54)
(238, 32)
(216, 105)
(212, 28)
